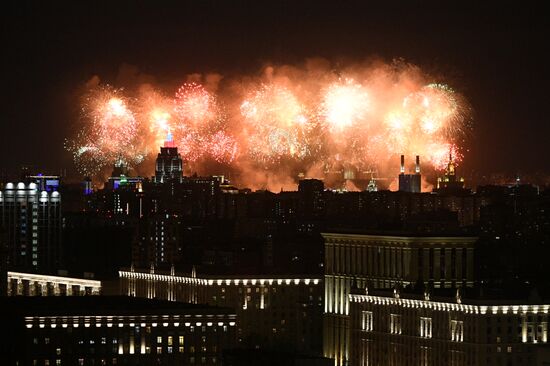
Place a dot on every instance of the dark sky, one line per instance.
(495, 55)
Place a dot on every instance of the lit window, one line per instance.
(426, 327)
(46, 341)
(58, 362)
(180, 340)
(159, 339)
(58, 351)
(169, 349)
(457, 330)
(180, 349)
(366, 321)
(509, 349)
(169, 340)
(192, 349)
(80, 361)
(395, 324)
(159, 350)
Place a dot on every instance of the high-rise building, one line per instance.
(169, 165)
(32, 219)
(450, 183)
(410, 182)
(311, 197)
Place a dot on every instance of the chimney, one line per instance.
(402, 164)
(417, 168)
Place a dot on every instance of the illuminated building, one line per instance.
(47, 183)
(113, 330)
(272, 311)
(30, 284)
(32, 219)
(382, 262)
(169, 165)
(450, 183)
(394, 328)
(410, 182)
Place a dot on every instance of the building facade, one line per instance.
(389, 328)
(32, 220)
(382, 262)
(273, 312)
(106, 330)
(30, 284)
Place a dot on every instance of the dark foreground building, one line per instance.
(104, 330)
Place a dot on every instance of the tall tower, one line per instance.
(169, 165)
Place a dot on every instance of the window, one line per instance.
(180, 349)
(180, 340)
(509, 349)
(159, 350)
(426, 327)
(457, 330)
(58, 351)
(192, 349)
(46, 341)
(395, 324)
(169, 349)
(80, 361)
(203, 349)
(159, 339)
(58, 362)
(169, 340)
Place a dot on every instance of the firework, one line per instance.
(344, 104)
(277, 124)
(290, 120)
(109, 134)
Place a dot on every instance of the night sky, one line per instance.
(496, 56)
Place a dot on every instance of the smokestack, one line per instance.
(417, 169)
(402, 164)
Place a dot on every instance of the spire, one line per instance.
(169, 142)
